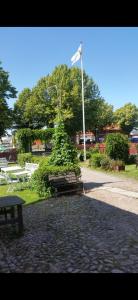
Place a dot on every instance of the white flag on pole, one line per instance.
(76, 56)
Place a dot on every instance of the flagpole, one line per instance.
(83, 112)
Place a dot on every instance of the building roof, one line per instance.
(112, 127)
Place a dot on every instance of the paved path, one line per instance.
(114, 190)
(95, 179)
(94, 233)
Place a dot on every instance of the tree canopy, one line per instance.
(20, 108)
(7, 91)
(60, 94)
(127, 117)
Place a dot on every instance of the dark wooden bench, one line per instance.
(66, 183)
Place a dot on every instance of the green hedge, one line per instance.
(26, 136)
(22, 158)
(40, 182)
(37, 159)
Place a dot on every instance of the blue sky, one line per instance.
(110, 57)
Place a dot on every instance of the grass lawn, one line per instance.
(27, 195)
(130, 171)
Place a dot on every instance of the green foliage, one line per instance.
(20, 107)
(63, 152)
(95, 149)
(131, 159)
(104, 114)
(40, 178)
(98, 114)
(37, 159)
(22, 186)
(96, 159)
(81, 154)
(26, 136)
(61, 91)
(117, 146)
(5, 116)
(106, 163)
(33, 108)
(116, 163)
(127, 117)
(7, 91)
(43, 134)
(22, 158)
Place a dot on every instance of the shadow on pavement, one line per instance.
(76, 233)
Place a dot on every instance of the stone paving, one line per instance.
(92, 233)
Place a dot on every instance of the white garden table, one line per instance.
(11, 169)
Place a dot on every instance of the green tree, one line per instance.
(98, 114)
(20, 108)
(127, 117)
(33, 108)
(7, 91)
(39, 108)
(59, 94)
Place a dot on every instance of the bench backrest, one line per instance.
(31, 167)
(3, 162)
(70, 177)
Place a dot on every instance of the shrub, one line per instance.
(96, 159)
(132, 159)
(106, 163)
(29, 157)
(117, 146)
(81, 155)
(117, 163)
(22, 158)
(40, 178)
(94, 149)
(38, 159)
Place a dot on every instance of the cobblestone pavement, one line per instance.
(94, 233)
